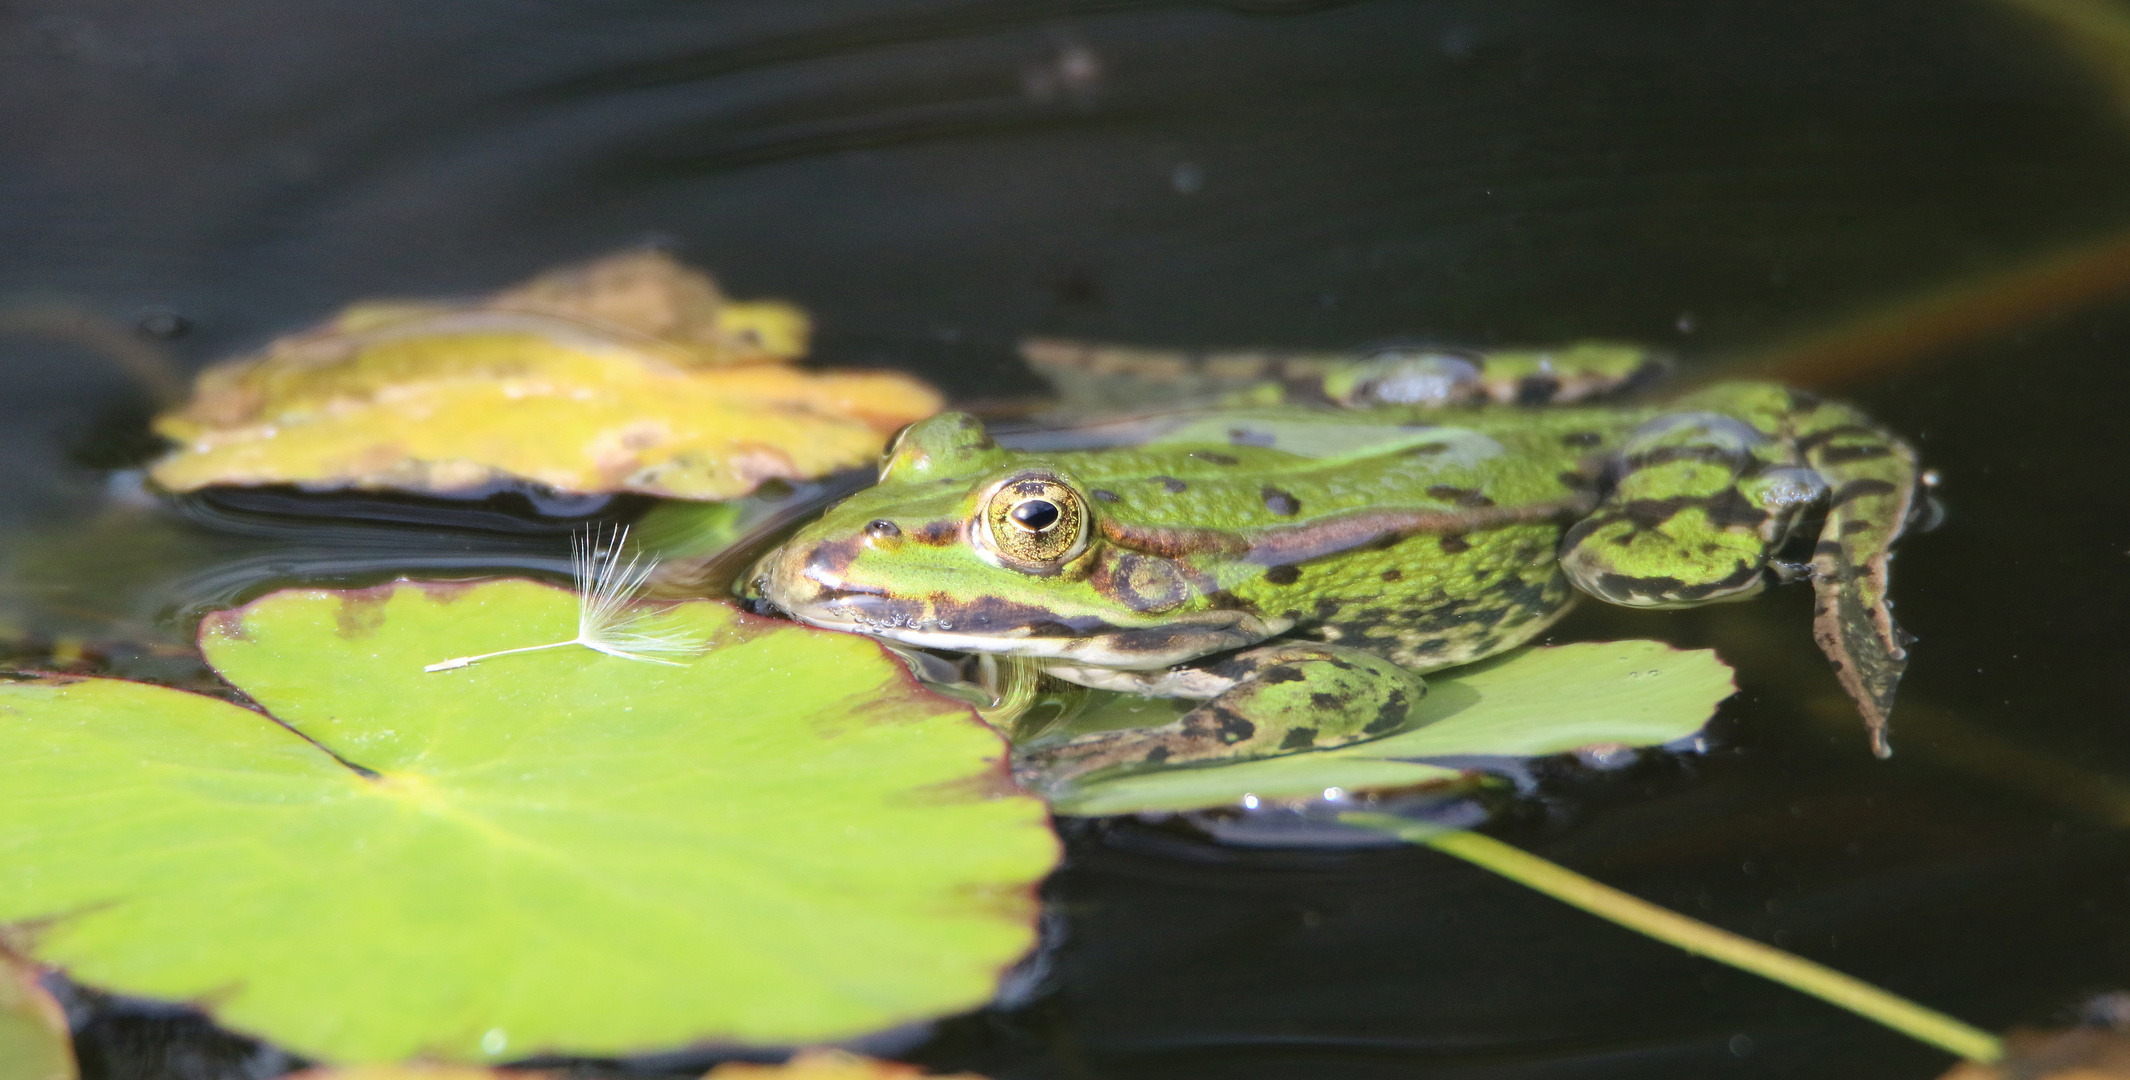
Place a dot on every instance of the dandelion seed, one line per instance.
(608, 619)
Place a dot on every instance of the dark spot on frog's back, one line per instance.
(1282, 575)
(1281, 673)
(1216, 459)
(1575, 481)
(1281, 502)
(1465, 497)
(1582, 438)
(1393, 574)
(1326, 702)
(1455, 545)
(1537, 389)
(1301, 738)
(1174, 486)
(1104, 494)
(1246, 437)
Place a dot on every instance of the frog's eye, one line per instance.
(1033, 522)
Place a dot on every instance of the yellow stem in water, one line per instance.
(1699, 938)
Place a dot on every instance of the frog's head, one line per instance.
(963, 545)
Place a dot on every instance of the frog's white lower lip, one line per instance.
(1122, 648)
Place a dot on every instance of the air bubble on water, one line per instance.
(1334, 794)
(1249, 802)
(493, 1041)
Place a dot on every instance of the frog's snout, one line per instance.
(807, 574)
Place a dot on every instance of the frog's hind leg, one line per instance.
(1872, 477)
(1701, 501)
(1705, 498)
(1281, 698)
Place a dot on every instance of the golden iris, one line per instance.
(1033, 521)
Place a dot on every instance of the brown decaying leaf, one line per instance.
(629, 374)
(2081, 1053)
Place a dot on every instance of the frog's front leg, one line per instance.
(1279, 698)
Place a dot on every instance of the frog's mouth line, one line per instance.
(1005, 628)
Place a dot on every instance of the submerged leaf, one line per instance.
(34, 1042)
(781, 840)
(1528, 703)
(574, 382)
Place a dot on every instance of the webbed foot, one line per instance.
(1873, 480)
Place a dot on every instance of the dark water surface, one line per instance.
(934, 180)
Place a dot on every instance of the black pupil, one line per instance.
(1035, 515)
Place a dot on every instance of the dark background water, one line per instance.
(934, 180)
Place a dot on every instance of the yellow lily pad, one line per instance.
(628, 374)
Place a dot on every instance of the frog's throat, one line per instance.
(1084, 641)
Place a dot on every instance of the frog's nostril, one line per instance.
(882, 528)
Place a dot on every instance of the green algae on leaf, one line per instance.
(781, 840)
(1529, 703)
(34, 1042)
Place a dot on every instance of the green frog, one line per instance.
(1298, 556)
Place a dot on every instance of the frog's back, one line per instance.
(1425, 536)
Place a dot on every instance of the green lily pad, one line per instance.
(1528, 703)
(782, 839)
(34, 1042)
